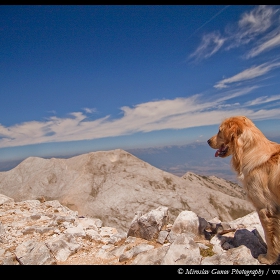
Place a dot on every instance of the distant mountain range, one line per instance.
(197, 157)
(114, 185)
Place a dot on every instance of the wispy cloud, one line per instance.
(251, 28)
(267, 45)
(248, 74)
(89, 110)
(210, 44)
(263, 99)
(52, 112)
(230, 94)
(254, 23)
(178, 113)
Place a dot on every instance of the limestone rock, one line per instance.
(61, 236)
(149, 225)
(113, 185)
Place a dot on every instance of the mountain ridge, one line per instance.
(112, 185)
(175, 159)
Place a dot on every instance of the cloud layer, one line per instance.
(178, 113)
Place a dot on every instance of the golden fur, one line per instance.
(257, 163)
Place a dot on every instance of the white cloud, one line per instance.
(267, 45)
(234, 93)
(250, 73)
(256, 21)
(262, 100)
(89, 110)
(210, 44)
(178, 113)
(250, 28)
(52, 112)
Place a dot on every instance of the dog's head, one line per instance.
(226, 140)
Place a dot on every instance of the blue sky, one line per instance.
(76, 79)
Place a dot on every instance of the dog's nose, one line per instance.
(208, 141)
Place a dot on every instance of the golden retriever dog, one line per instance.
(256, 161)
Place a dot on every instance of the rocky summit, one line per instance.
(115, 209)
(39, 232)
(113, 185)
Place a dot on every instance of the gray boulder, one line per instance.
(38, 232)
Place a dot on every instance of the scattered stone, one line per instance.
(48, 233)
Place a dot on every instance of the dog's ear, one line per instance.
(235, 128)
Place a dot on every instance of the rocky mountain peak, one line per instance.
(112, 185)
